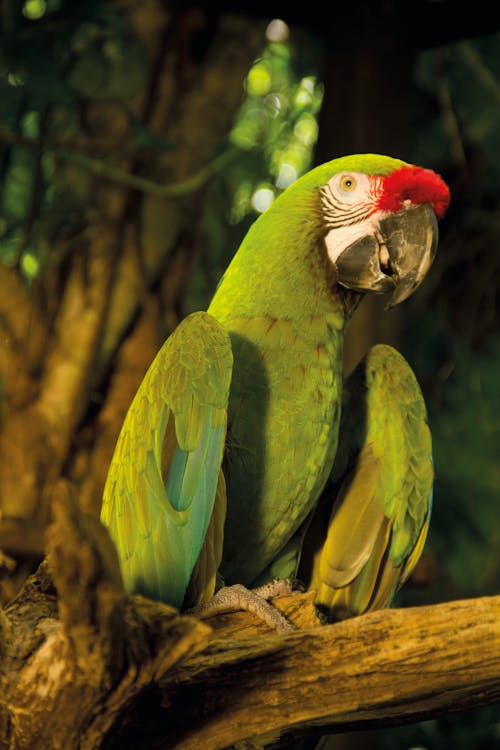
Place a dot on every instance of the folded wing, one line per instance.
(372, 522)
(164, 498)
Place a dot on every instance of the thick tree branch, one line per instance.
(387, 667)
(83, 665)
(76, 654)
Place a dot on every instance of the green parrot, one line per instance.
(243, 448)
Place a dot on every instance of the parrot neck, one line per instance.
(281, 269)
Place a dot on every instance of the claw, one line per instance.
(237, 598)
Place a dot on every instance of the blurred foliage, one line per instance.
(459, 103)
(275, 132)
(279, 119)
(466, 432)
(474, 730)
(451, 336)
(463, 398)
(55, 56)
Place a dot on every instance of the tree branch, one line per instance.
(90, 667)
(387, 667)
(179, 189)
(448, 116)
(484, 75)
(77, 653)
(108, 171)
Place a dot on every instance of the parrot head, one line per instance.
(362, 223)
(381, 224)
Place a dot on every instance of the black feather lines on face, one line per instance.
(338, 213)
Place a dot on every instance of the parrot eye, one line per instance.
(346, 197)
(347, 183)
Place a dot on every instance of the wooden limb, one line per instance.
(24, 335)
(484, 75)
(78, 331)
(133, 359)
(387, 667)
(64, 680)
(126, 672)
(83, 665)
(180, 189)
(39, 416)
(449, 118)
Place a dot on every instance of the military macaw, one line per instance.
(229, 462)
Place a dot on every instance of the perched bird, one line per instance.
(243, 447)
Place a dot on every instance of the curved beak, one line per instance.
(396, 258)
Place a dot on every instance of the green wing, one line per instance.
(165, 474)
(367, 545)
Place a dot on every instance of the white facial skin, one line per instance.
(349, 202)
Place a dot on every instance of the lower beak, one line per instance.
(394, 259)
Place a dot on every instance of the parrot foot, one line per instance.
(277, 587)
(237, 597)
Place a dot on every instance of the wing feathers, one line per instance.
(354, 525)
(202, 581)
(378, 526)
(162, 482)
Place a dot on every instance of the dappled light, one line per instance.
(262, 199)
(278, 119)
(34, 9)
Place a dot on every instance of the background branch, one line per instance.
(180, 189)
(483, 73)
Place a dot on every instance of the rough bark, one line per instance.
(86, 666)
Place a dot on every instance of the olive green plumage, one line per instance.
(371, 523)
(242, 407)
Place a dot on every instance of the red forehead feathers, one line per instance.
(414, 185)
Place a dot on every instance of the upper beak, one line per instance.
(395, 258)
